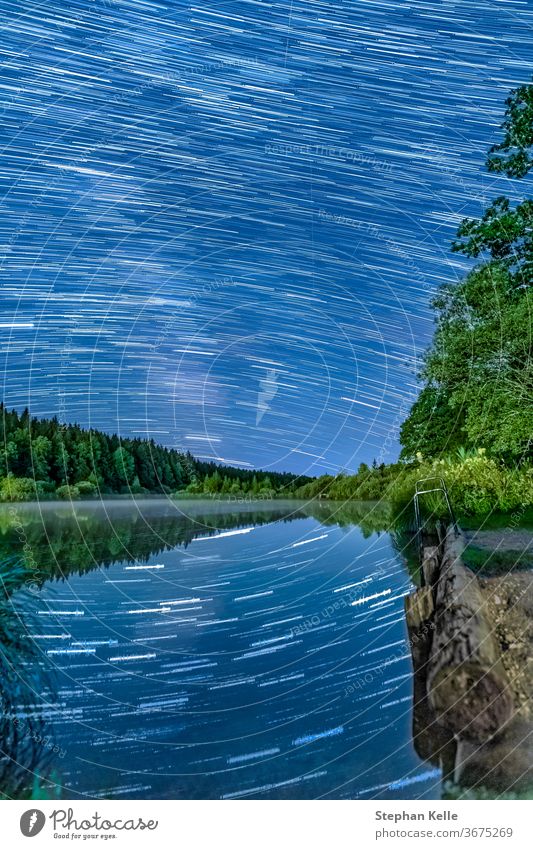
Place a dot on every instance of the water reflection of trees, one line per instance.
(59, 543)
(370, 518)
(56, 542)
(36, 546)
(23, 745)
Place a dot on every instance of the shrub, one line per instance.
(195, 487)
(477, 484)
(68, 492)
(20, 489)
(86, 488)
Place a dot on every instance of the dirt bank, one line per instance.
(509, 600)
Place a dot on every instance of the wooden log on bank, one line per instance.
(429, 739)
(418, 609)
(431, 565)
(466, 683)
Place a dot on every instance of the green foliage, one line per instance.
(432, 426)
(478, 791)
(124, 466)
(212, 483)
(513, 155)
(42, 455)
(477, 485)
(478, 372)
(502, 232)
(20, 489)
(369, 484)
(259, 486)
(86, 488)
(68, 492)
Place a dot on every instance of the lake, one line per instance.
(203, 650)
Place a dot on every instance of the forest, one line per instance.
(44, 458)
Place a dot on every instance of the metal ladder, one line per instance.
(416, 499)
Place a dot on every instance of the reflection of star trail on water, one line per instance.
(234, 671)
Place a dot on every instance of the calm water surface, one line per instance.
(195, 650)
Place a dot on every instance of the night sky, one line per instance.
(222, 223)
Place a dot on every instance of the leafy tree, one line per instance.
(478, 372)
(20, 489)
(86, 488)
(513, 155)
(68, 492)
(60, 458)
(213, 483)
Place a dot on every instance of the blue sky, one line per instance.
(222, 224)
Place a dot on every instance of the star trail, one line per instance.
(222, 225)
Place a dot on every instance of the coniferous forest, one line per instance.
(41, 457)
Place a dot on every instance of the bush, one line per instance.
(194, 488)
(20, 489)
(68, 492)
(86, 488)
(477, 484)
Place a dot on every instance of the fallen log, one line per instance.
(466, 683)
(431, 741)
(418, 609)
